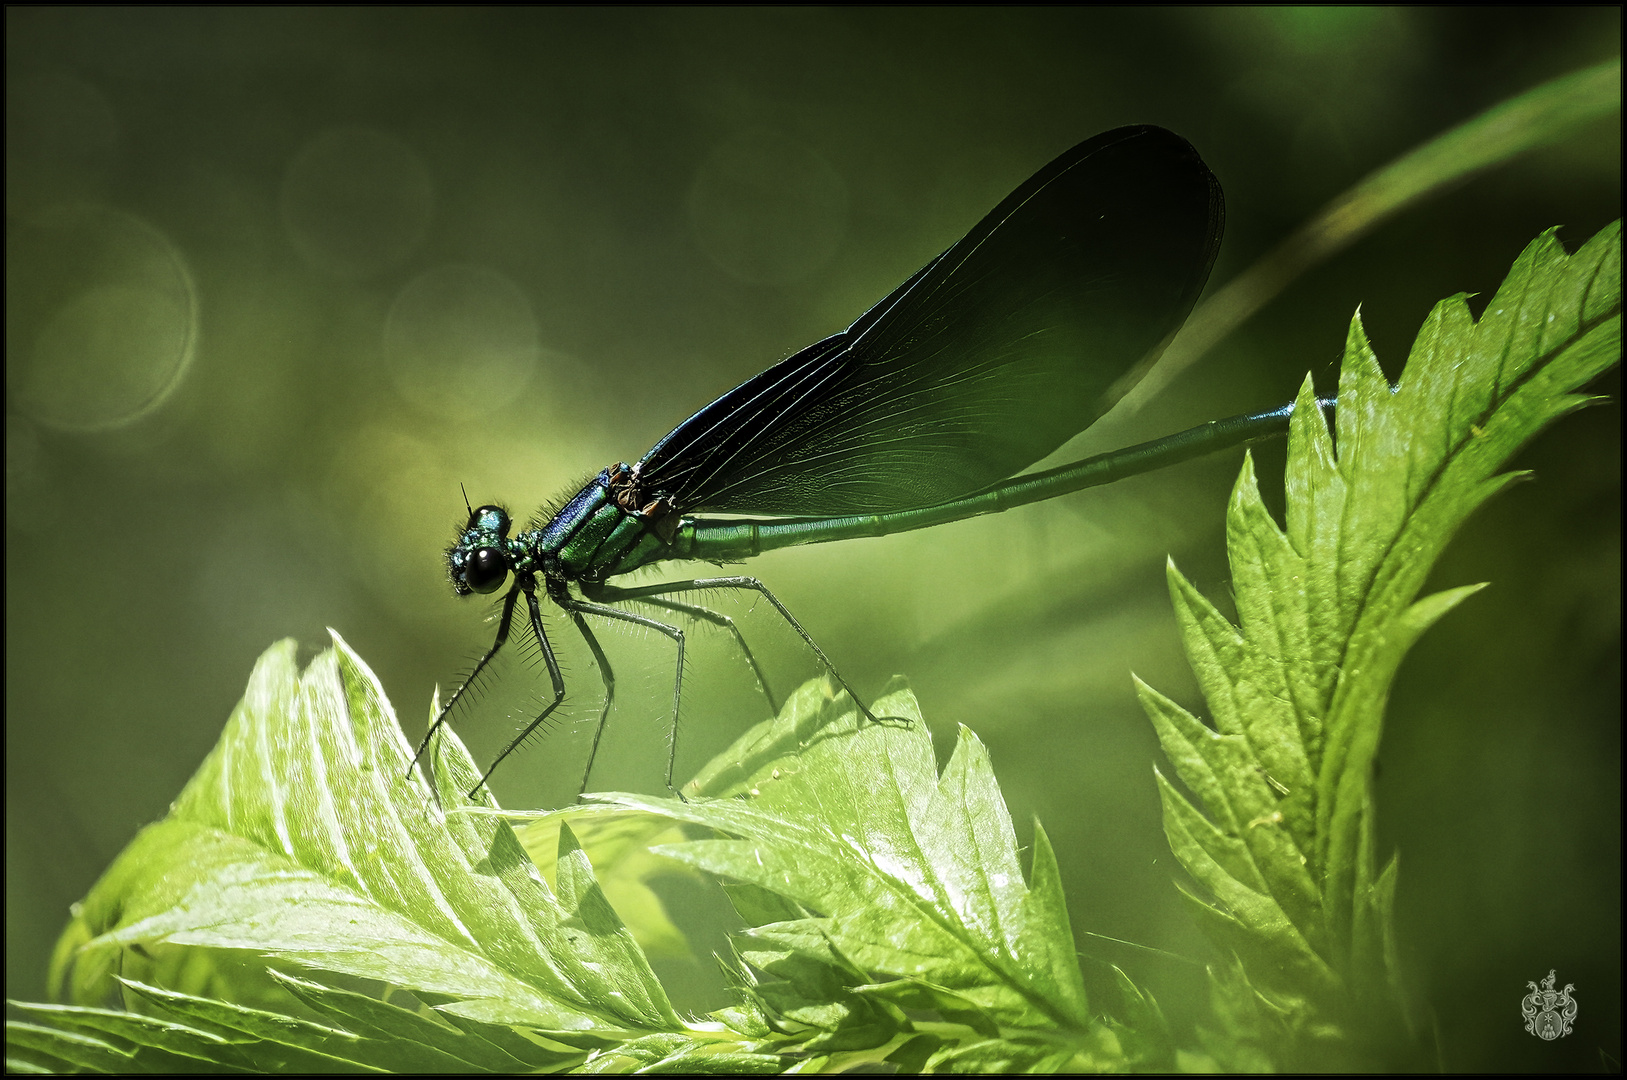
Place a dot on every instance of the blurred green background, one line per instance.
(278, 280)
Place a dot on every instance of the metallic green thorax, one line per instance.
(606, 528)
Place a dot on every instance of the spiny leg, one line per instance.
(446, 710)
(606, 676)
(611, 594)
(553, 673)
(570, 603)
(700, 584)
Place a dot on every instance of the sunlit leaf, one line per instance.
(618, 846)
(891, 872)
(1327, 607)
(306, 838)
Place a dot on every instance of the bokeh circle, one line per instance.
(101, 318)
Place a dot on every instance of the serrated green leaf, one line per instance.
(148, 1040)
(1327, 607)
(1144, 1032)
(911, 874)
(618, 845)
(805, 987)
(403, 1040)
(306, 841)
(279, 1042)
(883, 869)
(620, 971)
(68, 1051)
(1052, 952)
(719, 1062)
(255, 854)
(759, 907)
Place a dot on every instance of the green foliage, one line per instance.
(312, 903)
(873, 867)
(1326, 612)
(403, 927)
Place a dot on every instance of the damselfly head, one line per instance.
(477, 561)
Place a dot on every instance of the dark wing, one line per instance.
(986, 360)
